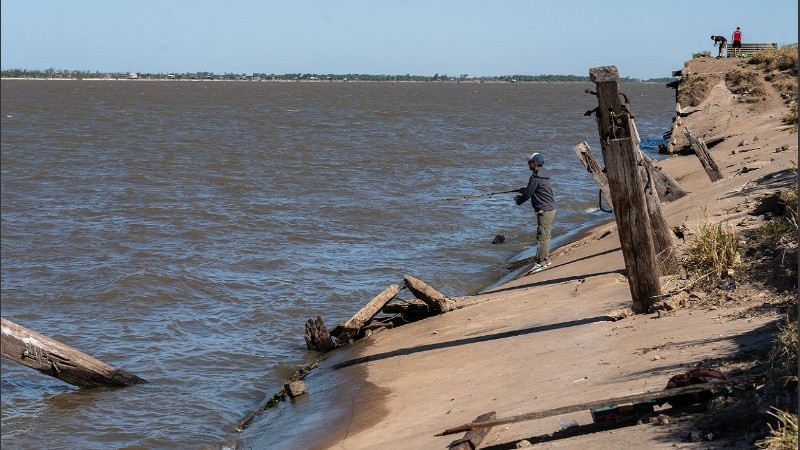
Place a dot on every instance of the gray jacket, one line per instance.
(540, 191)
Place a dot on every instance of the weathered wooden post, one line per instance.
(662, 236)
(584, 153)
(58, 360)
(627, 190)
(701, 150)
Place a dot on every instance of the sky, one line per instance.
(642, 38)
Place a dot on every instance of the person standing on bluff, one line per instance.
(721, 42)
(737, 41)
(540, 192)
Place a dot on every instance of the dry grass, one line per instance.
(782, 230)
(781, 59)
(784, 435)
(711, 252)
(780, 66)
(746, 83)
(693, 90)
(791, 117)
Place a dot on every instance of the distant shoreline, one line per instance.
(470, 81)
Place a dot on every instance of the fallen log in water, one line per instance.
(58, 360)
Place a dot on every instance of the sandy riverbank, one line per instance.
(545, 340)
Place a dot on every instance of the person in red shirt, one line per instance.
(737, 41)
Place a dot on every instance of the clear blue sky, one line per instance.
(643, 38)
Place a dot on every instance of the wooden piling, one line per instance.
(628, 196)
(662, 236)
(59, 360)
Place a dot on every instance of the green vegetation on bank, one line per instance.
(82, 74)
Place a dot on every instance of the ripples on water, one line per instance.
(185, 231)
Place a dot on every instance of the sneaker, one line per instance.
(538, 267)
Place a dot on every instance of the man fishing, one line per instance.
(540, 192)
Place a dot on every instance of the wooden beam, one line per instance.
(433, 298)
(59, 360)
(701, 150)
(353, 325)
(717, 388)
(628, 196)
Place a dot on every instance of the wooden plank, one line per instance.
(352, 326)
(662, 396)
(59, 360)
(473, 438)
(628, 196)
(433, 298)
(701, 150)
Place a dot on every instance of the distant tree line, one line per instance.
(82, 74)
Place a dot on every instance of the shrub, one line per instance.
(784, 58)
(745, 83)
(705, 54)
(712, 251)
(783, 229)
(784, 435)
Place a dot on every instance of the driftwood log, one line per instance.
(59, 360)
(353, 325)
(701, 150)
(435, 300)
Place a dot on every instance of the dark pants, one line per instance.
(544, 227)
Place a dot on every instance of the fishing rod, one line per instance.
(481, 195)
